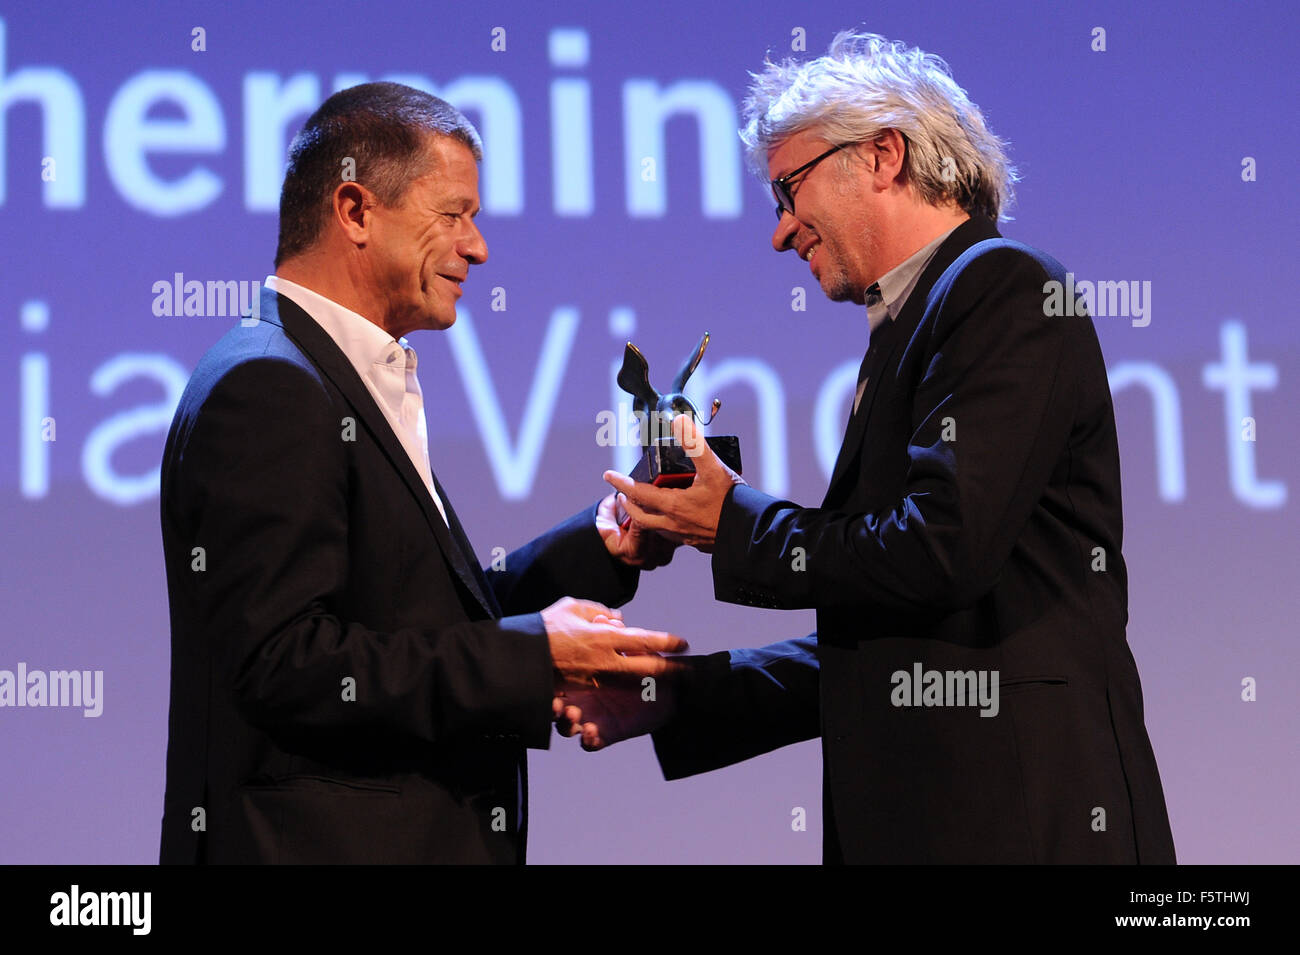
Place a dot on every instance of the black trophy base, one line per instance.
(665, 463)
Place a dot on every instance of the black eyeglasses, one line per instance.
(781, 187)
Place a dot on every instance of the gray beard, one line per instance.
(839, 288)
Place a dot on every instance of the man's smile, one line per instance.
(807, 251)
(454, 279)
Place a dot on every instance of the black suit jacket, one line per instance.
(972, 523)
(346, 684)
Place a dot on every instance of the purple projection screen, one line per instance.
(142, 147)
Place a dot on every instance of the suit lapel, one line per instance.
(973, 230)
(484, 592)
(857, 425)
(316, 343)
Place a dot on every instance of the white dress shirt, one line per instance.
(385, 365)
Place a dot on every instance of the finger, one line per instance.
(651, 519)
(619, 481)
(635, 512)
(563, 727)
(637, 641)
(569, 722)
(643, 665)
(688, 434)
(591, 740)
(644, 497)
(639, 532)
(589, 610)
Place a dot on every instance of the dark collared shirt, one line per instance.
(887, 296)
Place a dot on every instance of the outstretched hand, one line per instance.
(588, 643)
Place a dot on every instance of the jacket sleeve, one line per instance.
(990, 418)
(735, 705)
(261, 476)
(570, 560)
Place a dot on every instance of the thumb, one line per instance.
(688, 433)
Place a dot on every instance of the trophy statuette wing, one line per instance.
(664, 461)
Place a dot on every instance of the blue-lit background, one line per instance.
(127, 156)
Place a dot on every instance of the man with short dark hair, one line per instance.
(347, 684)
(970, 677)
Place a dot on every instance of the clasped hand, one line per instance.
(611, 681)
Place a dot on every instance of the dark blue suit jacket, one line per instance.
(347, 684)
(973, 523)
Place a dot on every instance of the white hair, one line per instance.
(864, 85)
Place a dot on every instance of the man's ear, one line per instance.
(352, 205)
(887, 153)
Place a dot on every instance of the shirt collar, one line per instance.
(364, 342)
(896, 285)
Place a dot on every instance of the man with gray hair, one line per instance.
(971, 533)
(348, 684)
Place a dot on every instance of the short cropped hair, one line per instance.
(383, 128)
(866, 84)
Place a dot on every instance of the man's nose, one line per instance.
(785, 232)
(474, 247)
